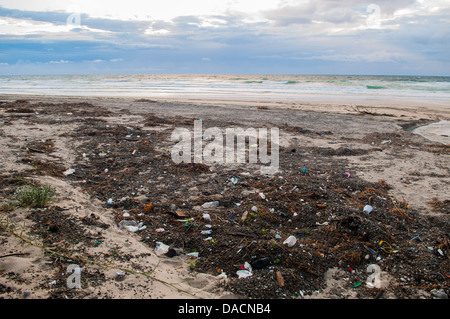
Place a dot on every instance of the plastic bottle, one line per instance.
(210, 204)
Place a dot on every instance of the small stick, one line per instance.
(15, 254)
(379, 294)
(56, 244)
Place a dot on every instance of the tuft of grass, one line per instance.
(34, 196)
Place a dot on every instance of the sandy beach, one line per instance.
(108, 160)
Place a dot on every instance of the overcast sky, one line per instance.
(383, 37)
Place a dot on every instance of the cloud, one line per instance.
(271, 36)
(59, 61)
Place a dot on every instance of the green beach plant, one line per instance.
(34, 196)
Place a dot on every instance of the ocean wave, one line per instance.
(375, 87)
(250, 82)
(269, 86)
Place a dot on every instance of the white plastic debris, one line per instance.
(161, 248)
(193, 254)
(222, 275)
(131, 225)
(290, 241)
(132, 229)
(210, 204)
(246, 272)
(207, 217)
(243, 273)
(368, 209)
(70, 171)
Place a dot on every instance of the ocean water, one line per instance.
(256, 87)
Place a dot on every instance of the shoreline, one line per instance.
(399, 107)
(426, 115)
(44, 136)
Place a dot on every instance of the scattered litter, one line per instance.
(439, 294)
(357, 284)
(386, 247)
(161, 248)
(418, 236)
(234, 180)
(370, 250)
(131, 225)
(257, 214)
(244, 216)
(245, 271)
(368, 209)
(148, 208)
(290, 241)
(180, 214)
(69, 171)
(222, 275)
(260, 263)
(210, 204)
(193, 255)
(280, 279)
